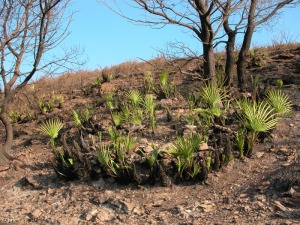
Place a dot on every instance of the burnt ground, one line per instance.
(263, 189)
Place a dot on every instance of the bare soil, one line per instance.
(263, 189)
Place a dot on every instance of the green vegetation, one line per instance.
(208, 128)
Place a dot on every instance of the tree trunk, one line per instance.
(209, 62)
(4, 156)
(241, 63)
(230, 60)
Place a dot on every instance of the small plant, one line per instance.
(114, 136)
(43, 106)
(76, 117)
(150, 107)
(134, 97)
(86, 114)
(110, 77)
(183, 150)
(126, 113)
(240, 141)
(167, 88)
(51, 128)
(117, 118)
(105, 158)
(148, 82)
(137, 116)
(60, 99)
(256, 117)
(280, 103)
(97, 83)
(14, 116)
(111, 100)
(212, 98)
(152, 159)
(279, 84)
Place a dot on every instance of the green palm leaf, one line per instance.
(135, 97)
(280, 102)
(212, 95)
(257, 117)
(51, 127)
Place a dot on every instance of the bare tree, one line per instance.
(201, 17)
(29, 29)
(258, 12)
(231, 29)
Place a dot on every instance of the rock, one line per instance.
(138, 211)
(148, 149)
(29, 182)
(204, 146)
(246, 208)
(91, 215)
(259, 204)
(206, 207)
(143, 141)
(100, 184)
(119, 205)
(259, 154)
(278, 206)
(261, 198)
(36, 213)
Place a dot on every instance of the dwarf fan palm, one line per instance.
(51, 128)
(256, 117)
(280, 102)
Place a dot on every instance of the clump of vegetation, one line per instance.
(206, 128)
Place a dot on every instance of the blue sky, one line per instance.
(109, 39)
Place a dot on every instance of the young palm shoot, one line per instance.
(150, 107)
(51, 128)
(212, 97)
(183, 151)
(148, 82)
(240, 142)
(104, 155)
(76, 117)
(256, 117)
(135, 98)
(280, 102)
(110, 100)
(117, 118)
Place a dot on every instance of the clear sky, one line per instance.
(109, 39)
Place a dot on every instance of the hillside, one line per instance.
(261, 189)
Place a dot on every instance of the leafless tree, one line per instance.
(258, 12)
(29, 29)
(232, 26)
(201, 17)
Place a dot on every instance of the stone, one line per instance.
(143, 141)
(259, 204)
(204, 146)
(36, 213)
(148, 149)
(206, 207)
(100, 184)
(278, 206)
(259, 154)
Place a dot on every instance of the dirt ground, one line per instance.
(263, 189)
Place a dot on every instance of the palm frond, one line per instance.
(135, 97)
(51, 127)
(280, 102)
(257, 117)
(76, 117)
(163, 78)
(212, 95)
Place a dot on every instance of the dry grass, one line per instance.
(74, 82)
